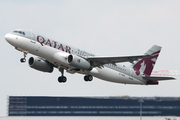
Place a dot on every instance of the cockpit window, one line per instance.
(20, 32)
(15, 31)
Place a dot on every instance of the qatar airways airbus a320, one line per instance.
(53, 54)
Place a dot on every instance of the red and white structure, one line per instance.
(166, 73)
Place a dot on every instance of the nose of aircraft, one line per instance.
(7, 37)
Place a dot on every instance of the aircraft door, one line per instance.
(35, 45)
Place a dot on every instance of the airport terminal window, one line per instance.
(93, 107)
(30, 106)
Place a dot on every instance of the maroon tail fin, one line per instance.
(146, 65)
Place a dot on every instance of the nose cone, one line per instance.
(8, 37)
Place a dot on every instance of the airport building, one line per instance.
(93, 106)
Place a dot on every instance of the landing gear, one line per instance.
(88, 78)
(62, 78)
(23, 59)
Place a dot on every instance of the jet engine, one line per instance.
(72, 60)
(40, 65)
(61, 57)
(78, 62)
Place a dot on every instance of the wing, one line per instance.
(98, 61)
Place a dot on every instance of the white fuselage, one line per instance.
(47, 48)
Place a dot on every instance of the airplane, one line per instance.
(52, 54)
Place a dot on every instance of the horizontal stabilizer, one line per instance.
(158, 78)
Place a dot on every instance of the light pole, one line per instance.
(141, 101)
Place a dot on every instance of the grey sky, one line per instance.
(106, 27)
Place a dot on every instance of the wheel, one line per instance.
(23, 60)
(88, 77)
(62, 79)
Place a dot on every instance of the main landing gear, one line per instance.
(23, 59)
(62, 78)
(88, 78)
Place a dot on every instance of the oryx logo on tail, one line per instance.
(146, 65)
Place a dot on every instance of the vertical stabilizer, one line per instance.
(146, 65)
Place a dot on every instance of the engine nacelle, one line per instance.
(71, 60)
(61, 57)
(78, 62)
(40, 65)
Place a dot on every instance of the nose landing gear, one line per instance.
(24, 59)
